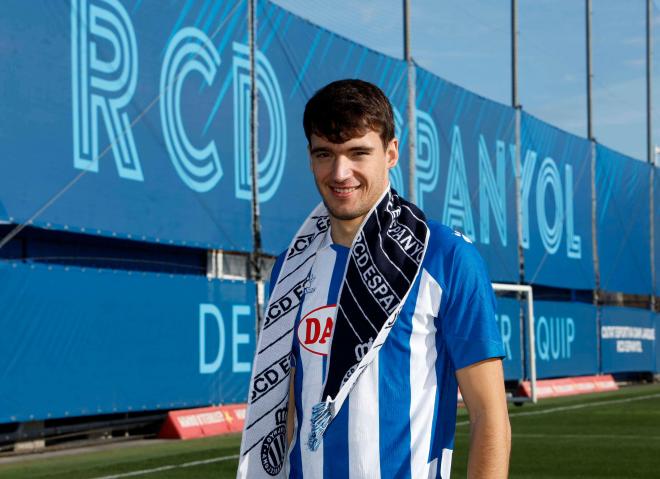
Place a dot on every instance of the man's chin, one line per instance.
(344, 215)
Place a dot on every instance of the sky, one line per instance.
(468, 43)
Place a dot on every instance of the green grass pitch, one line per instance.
(605, 435)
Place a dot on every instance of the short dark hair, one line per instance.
(344, 109)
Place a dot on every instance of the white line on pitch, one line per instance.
(167, 468)
(577, 436)
(575, 406)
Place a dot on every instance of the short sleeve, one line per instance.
(468, 311)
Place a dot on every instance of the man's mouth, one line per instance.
(343, 191)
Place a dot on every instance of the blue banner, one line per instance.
(627, 340)
(556, 206)
(508, 319)
(118, 118)
(85, 341)
(566, 338)
(305, 58)
(622, 188)
(142, 131)
(465, 169)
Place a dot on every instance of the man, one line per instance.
(376, 315)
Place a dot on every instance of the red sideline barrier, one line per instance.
(203, 422)
(550, 388)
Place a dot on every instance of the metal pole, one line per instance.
(649, 76)
(649, 140)
(254, 155)
(514, 54)
(412, 130)
(592, 140)
(590, 132)
(515, 103)
(594, 204)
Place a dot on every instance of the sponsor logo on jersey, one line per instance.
(315, 330)
(461, 235)
(273, 447)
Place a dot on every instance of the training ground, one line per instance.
(613, 434)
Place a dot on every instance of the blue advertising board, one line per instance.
(622, 189)
(133, 133)
(556, 206)
(142, 131)
(627, 340)
(85, 341)
(464, 169)
(508, 320)
(566, 338)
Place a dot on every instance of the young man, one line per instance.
(376, 315)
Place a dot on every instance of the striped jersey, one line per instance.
(399, 419)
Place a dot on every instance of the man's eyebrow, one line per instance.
(319, 149)
(323, 149)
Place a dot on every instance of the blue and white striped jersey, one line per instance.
(400, 418)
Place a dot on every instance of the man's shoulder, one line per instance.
(449, 254)
(444, 241)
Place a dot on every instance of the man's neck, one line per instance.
(343, 231)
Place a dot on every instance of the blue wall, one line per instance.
(566, 338)
(89, 341)
(628, 340)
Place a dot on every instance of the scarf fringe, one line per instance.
(321, 416)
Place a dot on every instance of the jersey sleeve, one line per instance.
(468, 312)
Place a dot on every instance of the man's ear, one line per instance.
(392, 153)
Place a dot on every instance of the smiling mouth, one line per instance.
(344, 190)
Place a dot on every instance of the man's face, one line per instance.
(351, 176)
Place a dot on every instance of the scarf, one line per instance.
(384, 261)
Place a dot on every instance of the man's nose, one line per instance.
(342, 169)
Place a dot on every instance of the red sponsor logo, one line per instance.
(315, 330)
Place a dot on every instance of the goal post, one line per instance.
(527, 293)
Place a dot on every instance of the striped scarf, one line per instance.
(385, 258)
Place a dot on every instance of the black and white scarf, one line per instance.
(385, 258)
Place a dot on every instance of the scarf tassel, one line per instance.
(321, 416)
